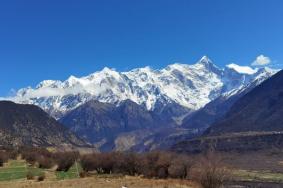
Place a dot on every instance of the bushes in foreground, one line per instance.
(7, 153)
(208, 170)
(30, 175)
(3, 158)
(211, 172)
(66, 160)
(102, 163)
(41, 178)
(45, 159)
(154, 164)
(37, 155)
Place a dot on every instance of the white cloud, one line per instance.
(24, 95)
(261, 60)
(242, 69)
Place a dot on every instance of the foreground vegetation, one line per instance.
(37, 164)
(35, 167)
(18, 169)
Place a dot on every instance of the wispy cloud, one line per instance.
(261, 60)
(29, 93)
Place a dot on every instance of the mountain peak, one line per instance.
(143, 69)
(205, 59)
(72, 79)
(47, 83)
(107, 70)
(206, 62)
(191, 86)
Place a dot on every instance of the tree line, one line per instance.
(207, 169)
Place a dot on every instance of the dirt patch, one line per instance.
(95, 182)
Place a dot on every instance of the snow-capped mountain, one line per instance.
(203, 118)
(191, 86)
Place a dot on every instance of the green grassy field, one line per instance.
(18, 169)
(72, 173)
(15, 170)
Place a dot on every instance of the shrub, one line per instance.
(41, 178)
(163, 163)
(126, 163)
(177, 170)
(30, 157)
(180, 167)
(149, 161)
(37, 155)
(211, 172)
(89, 162)
(65, 160)
(83, 174)
(102, 163)
(162, 173)
(13, 154)
(30, 175)
(44, 162)
(3, 158)
(155, 164)
(106, 163)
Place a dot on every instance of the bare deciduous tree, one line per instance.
(211, 171)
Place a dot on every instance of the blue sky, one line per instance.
(52, 39)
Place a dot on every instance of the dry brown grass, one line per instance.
(270, 161)
(98, 182)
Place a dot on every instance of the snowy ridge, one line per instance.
(191, 86)
(259, 76)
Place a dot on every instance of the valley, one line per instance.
(235, 137)
(141, 94)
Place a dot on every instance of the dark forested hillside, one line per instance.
(259, 110)
(98, 121)
(28, 125)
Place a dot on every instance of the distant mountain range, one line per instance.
(259, 110)
(217, 108)
(144, 109)
(253, 122)
(190, 86)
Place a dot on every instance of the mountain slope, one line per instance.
(28, 125)
(189, 86)
(101, 123)
(259, 110)
(254, 122)
(216, 109)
